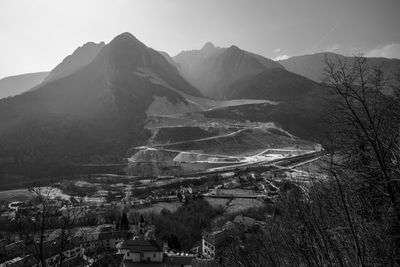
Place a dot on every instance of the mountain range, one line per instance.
(79, 58)
(98, 109)
(233, 73)
(94, 106)
(15, 85)
(214, 70)
(312, 66)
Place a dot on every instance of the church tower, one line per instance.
(142, 226)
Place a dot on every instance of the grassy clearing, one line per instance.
(157, 207)
(15, 195)
(241, 204)
(235, 204)
(217, 202)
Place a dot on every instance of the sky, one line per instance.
(35, 35)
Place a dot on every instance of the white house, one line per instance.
(212, 243)
(145, 251)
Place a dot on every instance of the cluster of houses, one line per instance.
(84, 243)
(180, 195)
(88, 244)
(135, 246)
(144, 250)
(215, 241)
(10, 211)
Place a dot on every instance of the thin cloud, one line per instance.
(281, 57)
(326, 35)
(388, 51)
(332, 48)
(277, 50)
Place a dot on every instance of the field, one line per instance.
(235, 204)
(158, 207)
(217, 202)
(15, 195)
(241, 204)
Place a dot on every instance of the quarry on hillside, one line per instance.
(189, 143)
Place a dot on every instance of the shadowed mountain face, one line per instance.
(214, 69)
(300, 103)
(80, 57)
(15, 85)
(312, 66)
(231, 73)
(167, 57)
(98, 109)
(273, 84)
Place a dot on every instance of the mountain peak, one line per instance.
(82, 56)
(126, 50)
(125, 37)
(91, 44)
(234, 51)
(208, 46)
(234, 47)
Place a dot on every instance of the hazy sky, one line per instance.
(35, 35)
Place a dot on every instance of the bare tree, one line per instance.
(366, 123)
(48, 217)
(68, 218)
(41, 222)
(366, 126)
(352, 217)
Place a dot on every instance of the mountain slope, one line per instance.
(312, 66)
(80, 57)
(97, 110)
(213, 69)
(301, 108)
(232, 73)
(167, 57)
(15, 85)
(272, 84)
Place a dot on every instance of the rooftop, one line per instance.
(140, 264)
(216, 238)
(179, 260)
(141, 245)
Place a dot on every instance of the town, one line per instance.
(103, 217)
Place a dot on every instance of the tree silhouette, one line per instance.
(124, 224)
